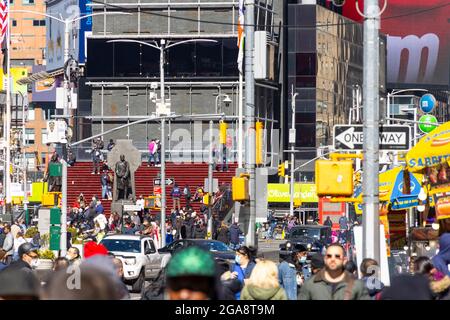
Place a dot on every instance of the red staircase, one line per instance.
(80, 180)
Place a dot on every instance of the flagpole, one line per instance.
(8, 114)
(241, 23)
(240, 139)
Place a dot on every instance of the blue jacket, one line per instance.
(287, 276)
(243, 274)
(441, 261)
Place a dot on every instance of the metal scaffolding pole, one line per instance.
(250, 116)
(371, 222)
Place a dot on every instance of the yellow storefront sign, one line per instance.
(280, 192)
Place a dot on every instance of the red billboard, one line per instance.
(334, 210)
(418, 46)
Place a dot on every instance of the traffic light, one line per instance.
(259, 142)
(281, 170)
(239, 188)
(223, 132)
(334, 178)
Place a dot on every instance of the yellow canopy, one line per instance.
(431, 150)
(391, 190)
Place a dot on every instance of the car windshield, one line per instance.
(214, 246)
(305, 232)
(132, 246)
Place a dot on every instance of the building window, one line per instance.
(44, 135)
(39, 23)
(14, 23)
(27, 1)
(29, 136)
(31, 115)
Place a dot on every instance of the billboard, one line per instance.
(280, 192)
(17, 73)
(44, 90)
(67, 10)
(418, 45)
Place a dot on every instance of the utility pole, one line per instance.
(66, 86)
(7, 130)
(292, 135)
(250, 116)
(371, 222)
(163, 146)
(210, 178)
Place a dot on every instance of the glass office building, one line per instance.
(324, 64)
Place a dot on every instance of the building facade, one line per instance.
(28, 39)
(125, 77)
(324, 62)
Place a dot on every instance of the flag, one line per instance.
(240, 43)
(4, 32)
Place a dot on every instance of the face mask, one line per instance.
(237, 259)
(34, 263)
(68, 257)
(302, 260)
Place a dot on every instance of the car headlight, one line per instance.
(130, 261)
(288, 245)
(309, 245)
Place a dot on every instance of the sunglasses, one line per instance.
(337, 256)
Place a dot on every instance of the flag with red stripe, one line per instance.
(3, 18)
(241, 35)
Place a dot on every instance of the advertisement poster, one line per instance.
(418, 40)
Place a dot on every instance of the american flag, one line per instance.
(240, 43)
(3, 18)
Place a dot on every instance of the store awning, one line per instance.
(391, 190)
(431, 150)
(42, 75)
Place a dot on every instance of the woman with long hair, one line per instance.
(263, 283)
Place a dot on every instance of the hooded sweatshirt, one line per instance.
(441, 261)
(251, 292)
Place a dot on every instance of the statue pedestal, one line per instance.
(117, 206)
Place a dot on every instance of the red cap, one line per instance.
(92, 248)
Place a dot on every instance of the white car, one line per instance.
(139, 256)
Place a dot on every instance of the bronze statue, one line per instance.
(54, 183)
(123, 176)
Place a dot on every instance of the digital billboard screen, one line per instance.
(418, 40)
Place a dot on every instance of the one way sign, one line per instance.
(351, 137)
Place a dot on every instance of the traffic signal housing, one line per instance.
(223, 132)
(334, 177)
(281, 170)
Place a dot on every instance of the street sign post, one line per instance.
(169, 181)
(351, 137)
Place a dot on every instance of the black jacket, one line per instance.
(200, 232)
(234, 234)
(223, 234)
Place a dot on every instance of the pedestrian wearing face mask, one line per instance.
(28, 259)
(243, 267)
(287, 272)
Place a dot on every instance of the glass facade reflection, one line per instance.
(323, 63)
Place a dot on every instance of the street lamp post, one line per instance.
(163, 46)
(292, 136)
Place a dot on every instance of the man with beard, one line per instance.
(333, 282)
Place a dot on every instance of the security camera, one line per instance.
(227, 101)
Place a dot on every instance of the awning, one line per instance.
(431, 150)
(391, 190)
(42, 75)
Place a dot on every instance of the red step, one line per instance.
(80, 180)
